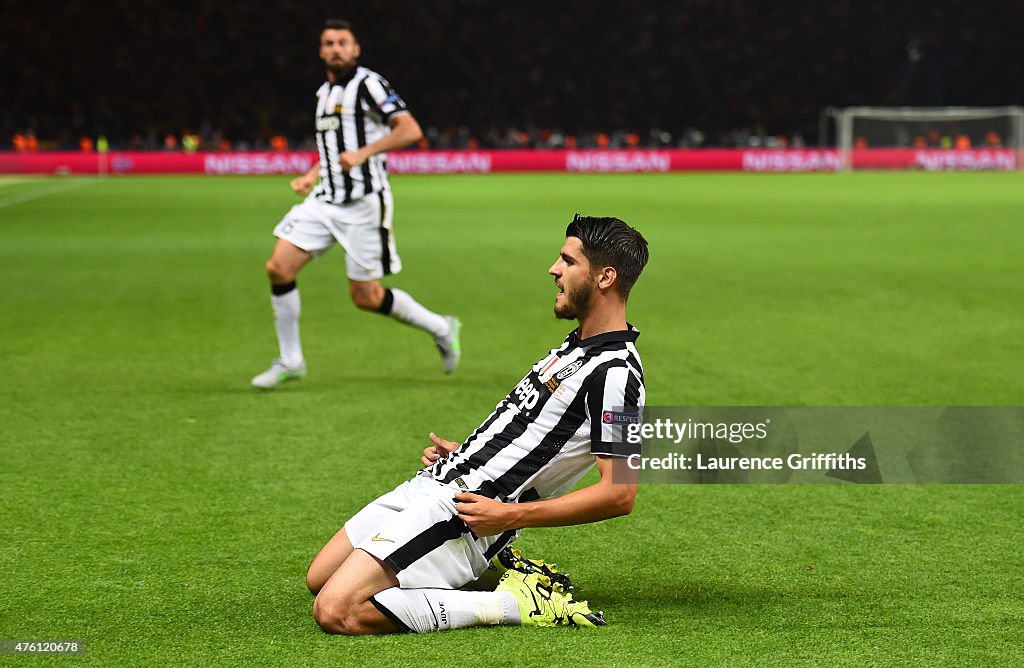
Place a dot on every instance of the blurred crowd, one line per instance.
(199, 74)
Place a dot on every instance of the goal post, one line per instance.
(998, 131)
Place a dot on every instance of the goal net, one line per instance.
(930, 137)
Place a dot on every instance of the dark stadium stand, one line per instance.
(494, 74)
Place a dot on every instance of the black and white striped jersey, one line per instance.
(349, 115)
(543, 437)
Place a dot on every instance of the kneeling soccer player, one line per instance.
(398, 564)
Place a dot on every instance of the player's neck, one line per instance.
(603, 319)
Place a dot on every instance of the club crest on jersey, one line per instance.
(569, 370)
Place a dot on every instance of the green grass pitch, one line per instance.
(158, 508)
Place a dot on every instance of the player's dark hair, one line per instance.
(338, 24)
(609, 242)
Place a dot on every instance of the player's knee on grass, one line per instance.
(341, 617)
(318, 575)
(315, 580)
(330, 615)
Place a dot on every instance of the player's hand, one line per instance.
(483, 515)
(350, 159)
(440, 448)
(302, 185)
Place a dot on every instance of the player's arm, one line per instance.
(303, 185)
(603, 500)
(405, 130)
(607, 390)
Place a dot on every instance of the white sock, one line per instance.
(287, 308)
(429, 610)
(411, 312)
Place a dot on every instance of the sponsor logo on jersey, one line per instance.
(526, 393)
(378, 539)
(327, 123)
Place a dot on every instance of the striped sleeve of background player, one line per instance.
(615, 397)
(384, 97)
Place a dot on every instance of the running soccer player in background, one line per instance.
(359, 118)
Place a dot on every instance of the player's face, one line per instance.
(338, 49)
(575, 284)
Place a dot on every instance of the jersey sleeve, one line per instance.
(615, 399)
(386, 101)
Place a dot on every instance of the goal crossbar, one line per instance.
(845, 123)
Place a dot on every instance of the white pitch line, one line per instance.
(45, 192)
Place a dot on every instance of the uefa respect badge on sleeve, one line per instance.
(823, 445)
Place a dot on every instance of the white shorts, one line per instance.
(362, 228)
(416, 530)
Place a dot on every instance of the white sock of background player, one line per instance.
(400, 305)
(287, 306)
